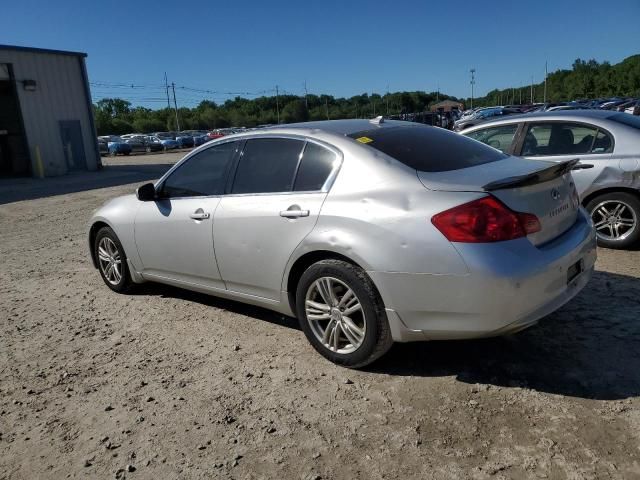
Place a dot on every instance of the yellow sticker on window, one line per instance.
(364, 140)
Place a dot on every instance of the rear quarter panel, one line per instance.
(379, 215)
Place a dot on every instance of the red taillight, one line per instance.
(484, 220)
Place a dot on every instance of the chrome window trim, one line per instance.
(245, 137)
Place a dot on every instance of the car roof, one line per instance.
(575, 115)
(338, 127)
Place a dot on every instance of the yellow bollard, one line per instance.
(39, 166)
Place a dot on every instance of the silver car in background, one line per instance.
(608, 147)
(368, 232)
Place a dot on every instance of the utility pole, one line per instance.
(387, 98)
(520, 90)
(175, 104)
(545, 82)
(473, 82)
(306, 104)
(531, 89)
(278, 103)
(166, 88)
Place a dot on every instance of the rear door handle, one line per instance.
(294, 213)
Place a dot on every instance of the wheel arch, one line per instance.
(93, 231)
(303, 262)
(604, 191)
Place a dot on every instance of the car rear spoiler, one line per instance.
(544, 175)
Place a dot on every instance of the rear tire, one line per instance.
(112, 260)
(353, 332)
(616, 216)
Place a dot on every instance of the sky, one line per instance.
(341, 48)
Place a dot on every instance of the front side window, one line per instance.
(267, 165)
(500, 137)
(203, 174)
(558, 138)
(315, 167)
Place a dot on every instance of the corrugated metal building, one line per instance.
(46, 118)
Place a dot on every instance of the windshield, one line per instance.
(428, 149)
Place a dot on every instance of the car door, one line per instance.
(563, 140)
(174, 233)
(273, 204)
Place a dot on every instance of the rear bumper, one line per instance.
(510, 286)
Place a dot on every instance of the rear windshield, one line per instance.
(626, 119)
(428, 149)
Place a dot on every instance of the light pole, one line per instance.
(545, 82)
(473, 82)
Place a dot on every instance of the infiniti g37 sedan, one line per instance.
(369, 232)
(608, 147)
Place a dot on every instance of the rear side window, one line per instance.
(560, 138)
(428, 149)
(203, 174)
(267, 165)
(315, 167)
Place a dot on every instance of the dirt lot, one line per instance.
(165, 383)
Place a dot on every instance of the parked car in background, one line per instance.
(117, 145)
(152, 144)
(215, 134)
(184, 140)
(167, 143)
(367, 231)
(136, 143)
(482, 115)
(608, 146)
(144, 143)
(633, 108)
(103, 146)
(199, 137)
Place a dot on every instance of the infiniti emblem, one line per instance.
(555, 194)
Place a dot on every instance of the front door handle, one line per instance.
(582, 166)
(294, 211)
(200, 214)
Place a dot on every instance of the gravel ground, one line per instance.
(164, 383)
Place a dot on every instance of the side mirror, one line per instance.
(146, 192)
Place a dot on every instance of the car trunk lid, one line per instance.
(545, 189)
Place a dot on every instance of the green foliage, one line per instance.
(120, 127)
(586, 79)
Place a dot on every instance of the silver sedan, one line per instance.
(608, 147)
(369, 232)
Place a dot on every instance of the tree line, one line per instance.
(586, 79)
(118, 116)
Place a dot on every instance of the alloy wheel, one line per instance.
(335, 315)
(614, 220)
(110, 260)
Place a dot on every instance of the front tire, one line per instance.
(616, 217)
(342, 314)
(112, 261)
